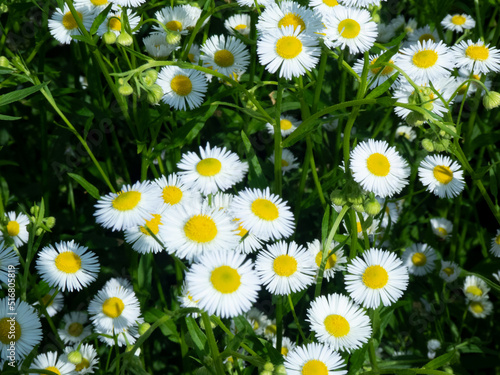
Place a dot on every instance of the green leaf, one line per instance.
(84, 39)
(197, 335)
(255, 170)
(395, 42)
(357, 359)
(169, 329)
(8, 118)
(100, 19)
(187, 132)
(250, 112)
(325, 224)
(379, 90)
(490, 283)
(440, 361)
(89, 188)
(145, 272)
(20, 94)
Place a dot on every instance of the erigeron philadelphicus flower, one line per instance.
(441, 175)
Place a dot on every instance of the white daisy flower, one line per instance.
(118, 282)
(128, 3)
(390, 213)
(251, 3)
(495, 244)
(379, 277)
(129, 207)
(424, 62)
(423, 34)
(497, 276)
(264, 214)
(157, 46)
(89, 361)
(458, 22)
(433, 345)
(480, 309)
(410, 26)
(27, 331)
(95, 6)
(215, 169)
(270, 329)
(449, 271)
(287, 346)
(289, 13)
(370, 229)
(361, 3)
(177, 19)
(379, 168)
(226, 56)
(339, 322)
(175, 192)
(75, 327)
(442, 227)
(186, 300)
(113, 23)
(289, 51)
(420, 259)
(249, 242)
(285, 268)
(114, 309)
(223, 283)
(49, 361)
(238, 23)
(287, 125)
(256, 318)
(335, 262)
(377, 75)
(476, 57)
(441, 175)
(288, 161)
(323, 7)
(140, 238)
(194, 54)
(191, 231)
(465, 74)
(475, 289)
(62, 25)
(221, 201)
(125, 336)
(67, 265)
(407, 132)
(8, 259)
(350, 28)
(182, 88)
(317, 359)
(52, 305)
(16, 228)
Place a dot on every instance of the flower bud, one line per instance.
(372, 206)
(173, 37)
(4, 62)
(150, 77)
(265, 372)
(109, 37)
(427, 145)
(50, 222)
(34, 210)
(39, 232)
(143, 328)
(491, 100)
(124, 39)
(280, 370)
(415, 119)
(441, 145)
(125, 89)
(155, 94)
(358, 208)
(338, 198)
(75, 357)
(269, 366)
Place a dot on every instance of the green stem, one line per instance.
(319, 81)
(297, 322)
(354, 234)
(279, 322)
(371, 354)
(315, 172)
(212, 344)
(277, 140)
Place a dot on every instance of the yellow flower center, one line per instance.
(458, 20)
(45, 300)
(181, 85)
(225, 279)
(115, 23)
(82, 365)
(153, 225)
(69, 21)
(53, 369)
(13, 228)
(442, 231)
(284, 163)
(443, 174)
(359, 227)
(288, 47)
(191, 57)
(474, 290)
(99, 2)
(378, 164)
(331, 3)
(477, 307)
(172, 195)
(75, 329)
(349, 28)
(426, 37)
(240, 27)
(7, 329)
(241, 231)
(113, 307)
(375, 277)
(284, 351)
(477, 52)
(387, 70)
(265, 209)
(292, 19)
(337, 325)
(285, 124)
(209, 167)
(497, 240)
(126, 201)
(174, 25)
(224, 58)
(314, 367)
(200, 228)
(330, 262)
(448, 270)
(68, 262)
(425, 59)
(271, 329)
(419, 259)
(285, 265)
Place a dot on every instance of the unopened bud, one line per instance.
(269, 366)
(358, 208)
(34, 210)
(280, 370)
(155, 94)
(50, 222)
(124, 39)
(427, 145)
(125, 89)
(143, 328)
(355, 198)
(39, 232)
(415, 119)
(151, 75)
(265, 372)
(428, 106)
(372, 207)
(75, 357)
(441, 145)
(4, 62)
(173, 37)
(338, 198)
(491, 100)
(109, 37)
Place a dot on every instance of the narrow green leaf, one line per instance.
(197, 335)
(8, 118)
(20, 94)
(255, 170)
(100, 19)
(89, 188)
(440, 361)
(256, 115)
(379, 90)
